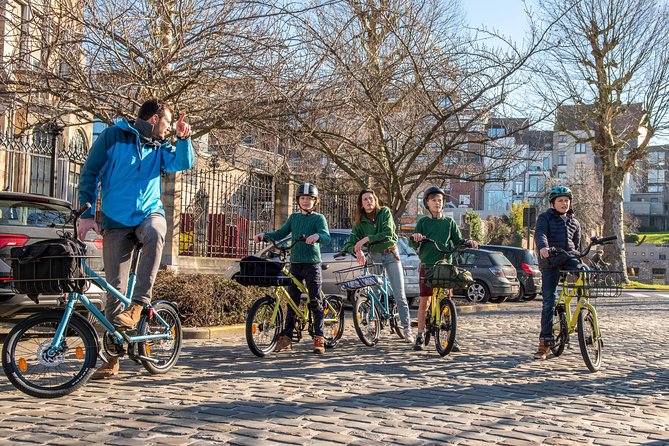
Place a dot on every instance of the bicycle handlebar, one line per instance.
(438, 248)
(593, 241)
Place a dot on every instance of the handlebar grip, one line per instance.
(607, 239)
(85, 207)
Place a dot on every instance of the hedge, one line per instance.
(206, 300)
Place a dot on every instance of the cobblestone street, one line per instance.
(493, 392)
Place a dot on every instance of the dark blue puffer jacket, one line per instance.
(554, 231)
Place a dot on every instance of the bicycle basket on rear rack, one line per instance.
(595, 282)
(257, 271)
(355, 277)
(49, 267)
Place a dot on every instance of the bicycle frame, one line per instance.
(383, 301)
(74, 297)
(438, 294)
(568, 294)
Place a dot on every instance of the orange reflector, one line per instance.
(326, 311)
(336, 332)
(148, 350)
(253, 329)
(80, 353)
(23, 365)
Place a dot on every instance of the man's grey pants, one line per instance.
(116, 254)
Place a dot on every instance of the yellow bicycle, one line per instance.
(580, 286)
(265, 320)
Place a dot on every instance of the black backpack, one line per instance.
(48, 267)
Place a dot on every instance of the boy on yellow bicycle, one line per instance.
(442, 230)
(305, 262)
(558, 228)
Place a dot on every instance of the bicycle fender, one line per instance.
(171, 304)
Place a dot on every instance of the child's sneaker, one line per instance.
(319, 345)
(420, 342)
(284, 343)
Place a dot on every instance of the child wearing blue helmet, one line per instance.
(557, 227)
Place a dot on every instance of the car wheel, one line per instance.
(520, 296)
(529, 297)
(478, 293)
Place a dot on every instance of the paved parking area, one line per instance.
(491, 393)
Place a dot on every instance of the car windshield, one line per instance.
(25, 213)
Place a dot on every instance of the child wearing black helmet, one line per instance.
(442, 230)
(557, 227)
(305, 262)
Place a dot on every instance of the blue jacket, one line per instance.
(553, 230)
(129, 171)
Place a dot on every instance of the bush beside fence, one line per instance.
(206, 300)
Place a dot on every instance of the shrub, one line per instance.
(206, 300)
(631, 238)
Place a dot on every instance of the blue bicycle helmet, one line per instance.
(307, 189)
(560, 191)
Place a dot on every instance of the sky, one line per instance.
(507, 16)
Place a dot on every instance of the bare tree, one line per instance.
(101, 59)
(610, 60)
(395, 93)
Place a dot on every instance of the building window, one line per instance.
(536, 183)
(464, 200)
(546, 163)
(562, 138)
(580, 147)
(518, 187)
(562, 159)
(496, 132)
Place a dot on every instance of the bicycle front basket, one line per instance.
(49, 267)
(256, 271)
(358, 277)
(446, 275)
(595, 283)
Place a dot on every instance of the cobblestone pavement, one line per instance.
(491, 393)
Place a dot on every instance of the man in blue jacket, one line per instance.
(557, 227)
(127, 160)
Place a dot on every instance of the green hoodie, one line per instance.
(304, 224)
(381, 230)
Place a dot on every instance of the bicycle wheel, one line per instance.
(444, 338)
(33, 368)
(162, 353)
(262, 331)
(560, 330)
(395, 322)
(368, 330)
(333, 320)
(589, 340)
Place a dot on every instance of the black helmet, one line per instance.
(432, 190)
(307, 189)
(559, 191)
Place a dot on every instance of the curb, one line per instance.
(227, 331)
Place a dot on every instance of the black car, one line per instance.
(24, 220)
(494, 276)
(526, 263)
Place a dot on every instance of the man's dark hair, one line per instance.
(152, 107)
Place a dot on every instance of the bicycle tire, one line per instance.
(588, 341)
(29, 370)
(368, 330)
(258, 322)
(165, 351)
(396, 322)
(333, 327)
(560, 339)
(444, 338)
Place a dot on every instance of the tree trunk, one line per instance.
(613, 223)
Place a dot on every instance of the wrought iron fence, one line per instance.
(26, 165)
(221, 211)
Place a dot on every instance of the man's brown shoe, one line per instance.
(543, 351)
(284, 343)
(129, 317)
(319, 345)
(108, 369)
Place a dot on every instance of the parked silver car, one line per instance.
(408, 256)
(24, 220)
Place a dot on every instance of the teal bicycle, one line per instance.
(374, 305)
(53, 353)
